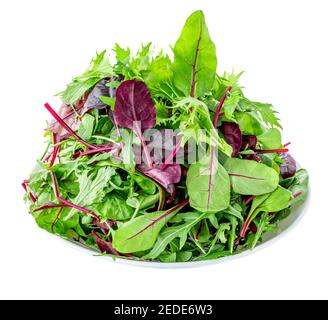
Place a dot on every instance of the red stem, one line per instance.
(172, 155)
(247, 221)
(102, 149)
(245, 226)
(271, 151)
(55, 150)
(256, 158)
(249, 200)
(218, 110)
(199, 230)
(149, 161)
(67, 128)
(49, 205)
(32, 196)
(296, 195)
(287, 144)
(57, 218)
(137, 131)
(194, 65)
(47, 157)
(66, 202)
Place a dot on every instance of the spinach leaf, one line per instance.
(208, 185)
(141, 233)
(250, 177)
(270, 139)
(248, 124)
(273, 202)
(194, 66)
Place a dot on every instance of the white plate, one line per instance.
(285, 225)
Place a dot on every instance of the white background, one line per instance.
(282, 45)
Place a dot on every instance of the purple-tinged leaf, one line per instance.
(70, 116)
(160, 144)
(135, 110)
(287, 169)
(166, 177)
(104, 246)
(232, 135)
(68, 129)
(249, 142)
(219, 108)
(93, 101)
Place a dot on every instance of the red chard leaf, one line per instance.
(135, 110)
(134, 104)
(249, 142)
(93, 100)
(166, 177)
(232, 135)
(287, 169)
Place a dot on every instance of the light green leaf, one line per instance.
(113, 207)
(272, 202)
(86, 127)
(265, 110)
(270, 139)
(208, 185)
(108, 101)
(92, 185)
(195, 61)
(170, 233)
(141, 233)
(99, 69)
(248, 123)
(249, 177)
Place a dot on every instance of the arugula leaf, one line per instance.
(195, 60)
(92, 185)
(170, 233)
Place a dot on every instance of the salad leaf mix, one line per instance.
(153, 158)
